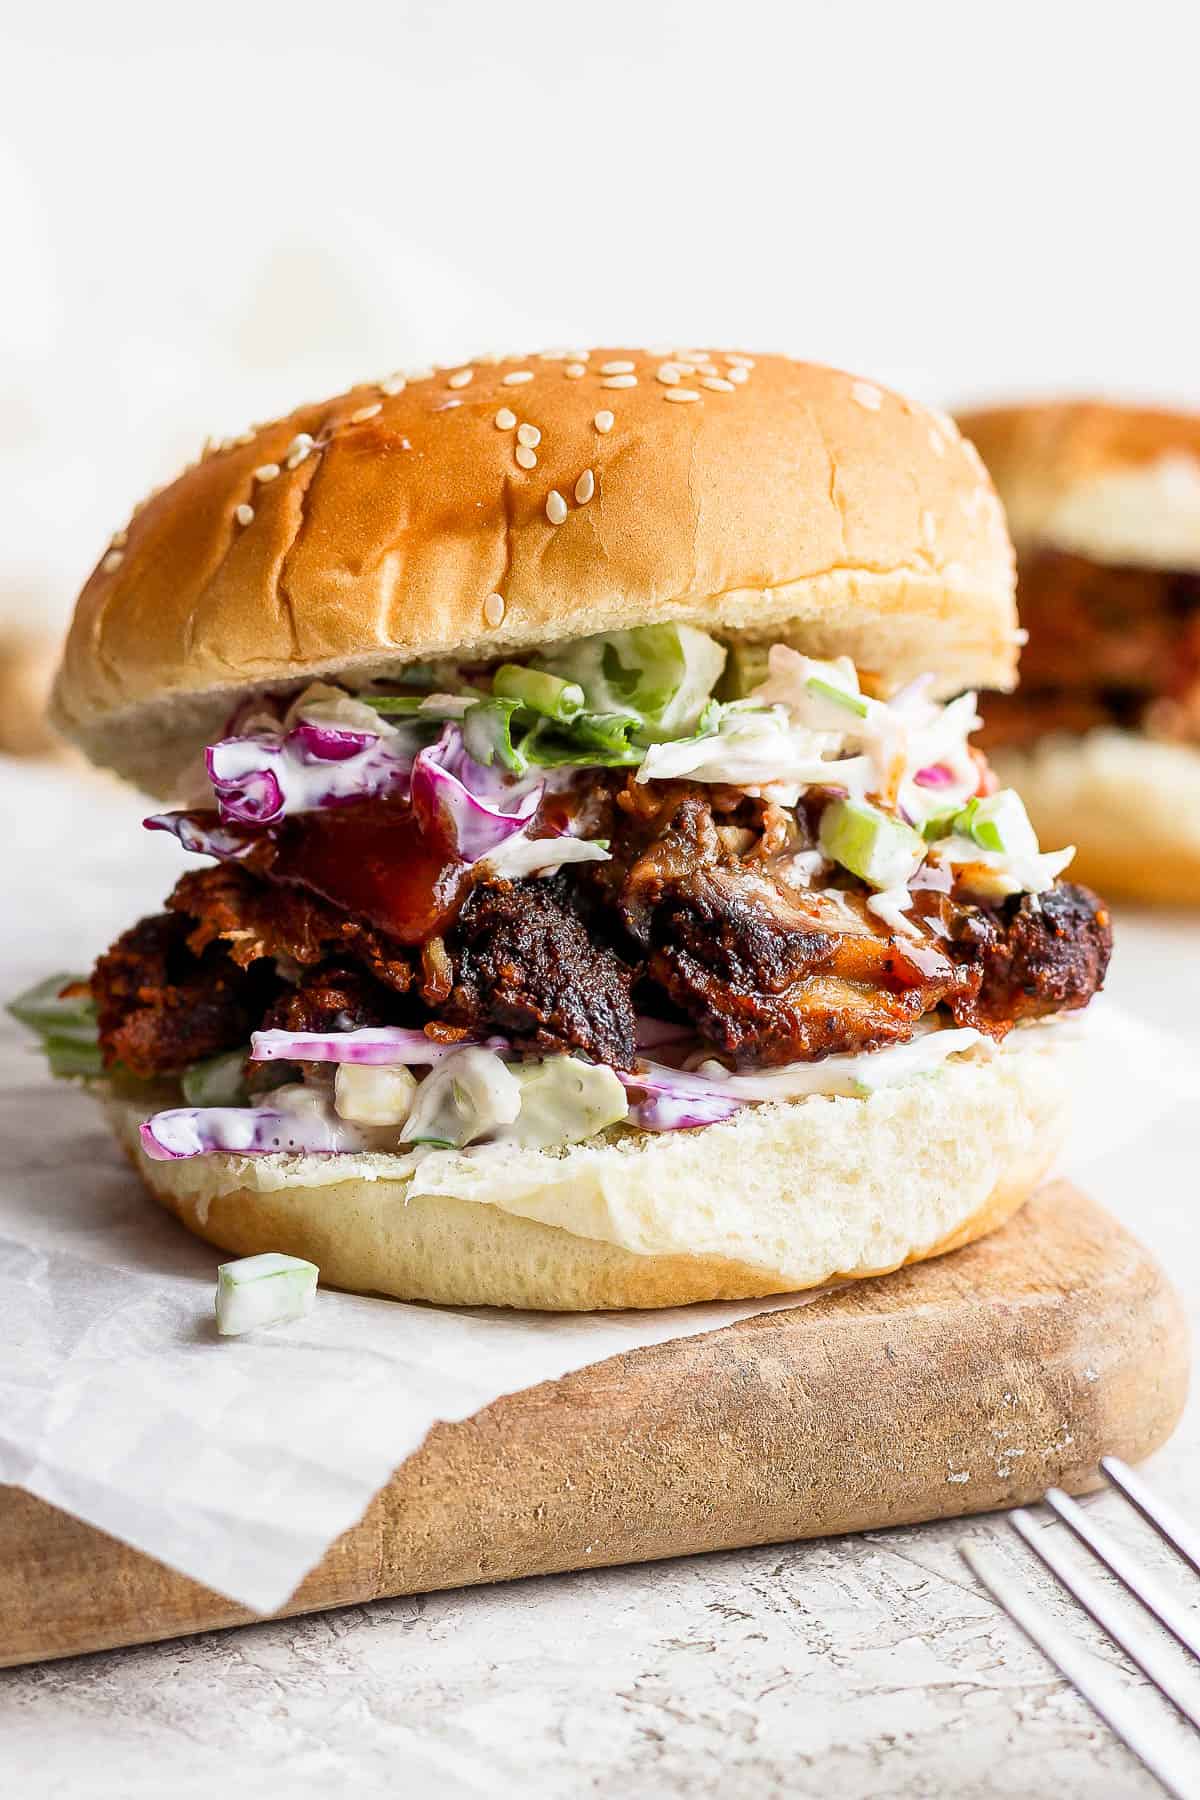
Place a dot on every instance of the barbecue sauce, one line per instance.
(376, 861)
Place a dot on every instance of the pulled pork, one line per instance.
(1108, 645)
(696, 912)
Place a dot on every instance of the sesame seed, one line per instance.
(619, 381)
(422, 372)
(736, 373)
(617, 368)
(937, 443)
(505, 419)
(364, 413)
(585, 487)
(300, 447)
(526, 458)
(556, 507)
(493, 609)
(668, 374)
(945, 425)
(490, 357)
(118, 540)
(529, 435)
(447, 405)
(574, 370)
(553, 355)
(225, 444)
(243, 514)
(866, 395)
(112, 561)
(244, 437)
(395, 384)
(266, 472)
(681, 393)
(973, 457)
(460, 378)
(1020, 636)
(603, 421)
(740, 362)
(517, 377)
(579, 355)
(717, 384)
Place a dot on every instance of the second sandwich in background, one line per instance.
(1103, 735)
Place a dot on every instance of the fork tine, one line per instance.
(1181, 1536)
(1123, 1713)
(1151, 1658)
(1179, 1621)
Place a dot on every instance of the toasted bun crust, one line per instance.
(1119, 484)
(785, 500)
(780, 1198)
(1131, 807)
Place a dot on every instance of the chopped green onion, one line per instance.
(825, 690)
(940, 825)
(47, 1009)
(65, 1023)
(545, 694)
(487, 734)
(269, 1289)
(996, 822)
(980, 829)
(68, 1058)
(217, 1080)
(880, 850)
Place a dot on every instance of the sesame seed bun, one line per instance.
(1117, 484)
(782, 1197)
(757, 496)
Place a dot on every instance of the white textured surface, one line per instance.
(871, 1666)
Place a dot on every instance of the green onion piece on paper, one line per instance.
(270, 1289)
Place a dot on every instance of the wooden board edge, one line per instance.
(1064, 1333)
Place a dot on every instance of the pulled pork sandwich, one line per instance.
(595, 904)
(1103, 738)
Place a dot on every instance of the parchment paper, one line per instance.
(239, 1461)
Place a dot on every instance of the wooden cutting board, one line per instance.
(968, 1383)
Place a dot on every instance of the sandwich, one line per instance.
(591, 896)
(1103, 736)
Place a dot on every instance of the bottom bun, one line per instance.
(1130, 805)
(781, 1197)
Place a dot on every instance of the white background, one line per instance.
(210, 212)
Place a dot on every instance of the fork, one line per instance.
(1121, 1711)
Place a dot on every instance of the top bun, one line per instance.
(1117, 484)
(755, 496)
